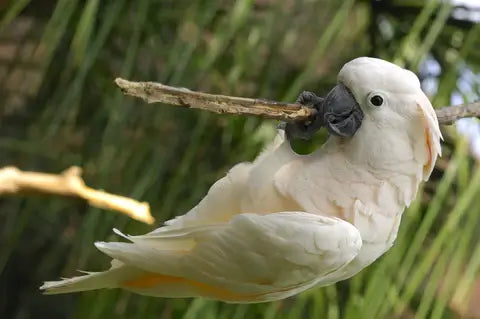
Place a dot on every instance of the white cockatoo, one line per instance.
(286, 222)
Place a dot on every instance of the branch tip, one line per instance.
(69, 183)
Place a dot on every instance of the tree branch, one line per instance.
(449, 114)
(69, 183)
(153, 92)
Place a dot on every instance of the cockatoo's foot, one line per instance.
(310, 99)
(306, 129)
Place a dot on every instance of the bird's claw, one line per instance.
(309, 99)
(305, 129)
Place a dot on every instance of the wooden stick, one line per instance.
(447, 115)
(153, 92)
(69, 183)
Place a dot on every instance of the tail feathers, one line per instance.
(111, 278)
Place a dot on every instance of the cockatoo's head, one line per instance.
(374, 95)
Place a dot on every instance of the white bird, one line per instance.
(286, 222)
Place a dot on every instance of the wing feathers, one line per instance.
(250, 258)
(250, 249)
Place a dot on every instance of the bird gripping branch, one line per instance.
(153, 92)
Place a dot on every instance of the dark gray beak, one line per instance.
(342, 115)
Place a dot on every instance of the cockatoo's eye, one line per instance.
(375, 99)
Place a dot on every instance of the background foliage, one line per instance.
(59, 107)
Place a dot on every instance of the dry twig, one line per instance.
(153, 92)
(69, 183)
(449, 114)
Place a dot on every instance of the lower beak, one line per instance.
(341, 113)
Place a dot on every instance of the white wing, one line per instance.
(251, 258)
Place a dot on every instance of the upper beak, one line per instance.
(341, 113)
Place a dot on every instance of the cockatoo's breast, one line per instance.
(380, 172)
(367, 180)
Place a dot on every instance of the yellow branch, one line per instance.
(69, 183)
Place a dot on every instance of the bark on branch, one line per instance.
(153, 92)
(449, 114)
(69, 183)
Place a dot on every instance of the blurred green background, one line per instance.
(59, 107)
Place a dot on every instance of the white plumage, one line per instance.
(286, 222)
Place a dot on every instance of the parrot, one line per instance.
(286, 222)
